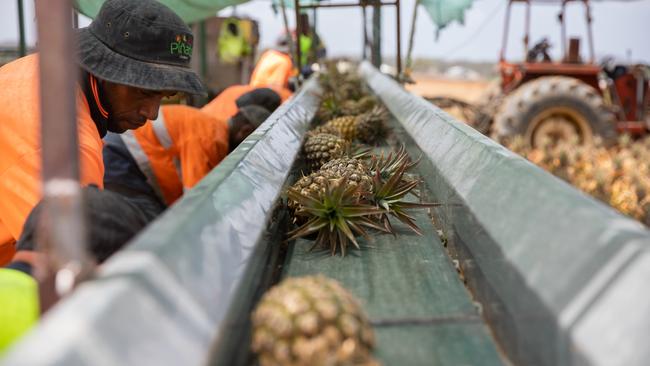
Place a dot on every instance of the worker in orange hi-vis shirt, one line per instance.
(273, 69)
(228, 102)
(154, 165)
(115, 93)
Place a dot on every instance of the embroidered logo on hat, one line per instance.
(181, 46)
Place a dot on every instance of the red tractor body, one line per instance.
(625, 90)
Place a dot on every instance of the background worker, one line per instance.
(312, 48)
(275, 67)
(228, 102)
(155, 164)
(111, 221)
(116, 93)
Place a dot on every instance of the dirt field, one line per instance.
(430, 86)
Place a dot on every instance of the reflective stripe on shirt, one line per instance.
(166, 141)
(142, 160)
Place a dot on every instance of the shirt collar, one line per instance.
(96, 101)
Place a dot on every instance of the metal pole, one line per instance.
(298, 33)
(62, 235)
(527, 36)
(365, 32)
(203, 53)
(563, 29)
(314, 33)
(376, 34)
(592, 52)
(409, 51)
(504, 45)
(399, 38)
(75, 19)
(22, 49)
(288, 32)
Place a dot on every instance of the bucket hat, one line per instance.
(141, 43)
(264, 97)
(254, 114)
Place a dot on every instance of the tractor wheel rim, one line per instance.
(558, 124)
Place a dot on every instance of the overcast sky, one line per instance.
(620, 29)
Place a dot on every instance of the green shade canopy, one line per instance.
(444, 12)
(189, 10)
(289, 3)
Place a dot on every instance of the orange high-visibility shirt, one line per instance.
(274, 69)
(223, 106)
(20, 148)
(181, 148)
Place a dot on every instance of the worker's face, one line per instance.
(130, 107)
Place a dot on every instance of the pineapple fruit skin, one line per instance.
(357, 107)
(356, 172)
(346, 126)
(368, 127)
(320, 148)
(311, 321)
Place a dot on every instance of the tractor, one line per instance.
(571, 99)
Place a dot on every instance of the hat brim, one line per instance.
(106, 64)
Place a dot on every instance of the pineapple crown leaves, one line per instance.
(359, 151)
(389, 194)
(338, 214)
(388, 165)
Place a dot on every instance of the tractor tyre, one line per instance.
(553, 109)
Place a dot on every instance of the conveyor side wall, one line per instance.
(560, 275)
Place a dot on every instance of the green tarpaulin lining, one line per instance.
(189, 10)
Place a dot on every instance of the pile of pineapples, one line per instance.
(618, 175)
(346, 191)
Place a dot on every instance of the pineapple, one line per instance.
(345, 125)
(624, 197)
(351, 88)
(311, 321)
(354, 170)
(323, 147)
(367, 127)
(325, 129)
(357, 107)
(330, 107)
(356, 173)
(335, 211)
